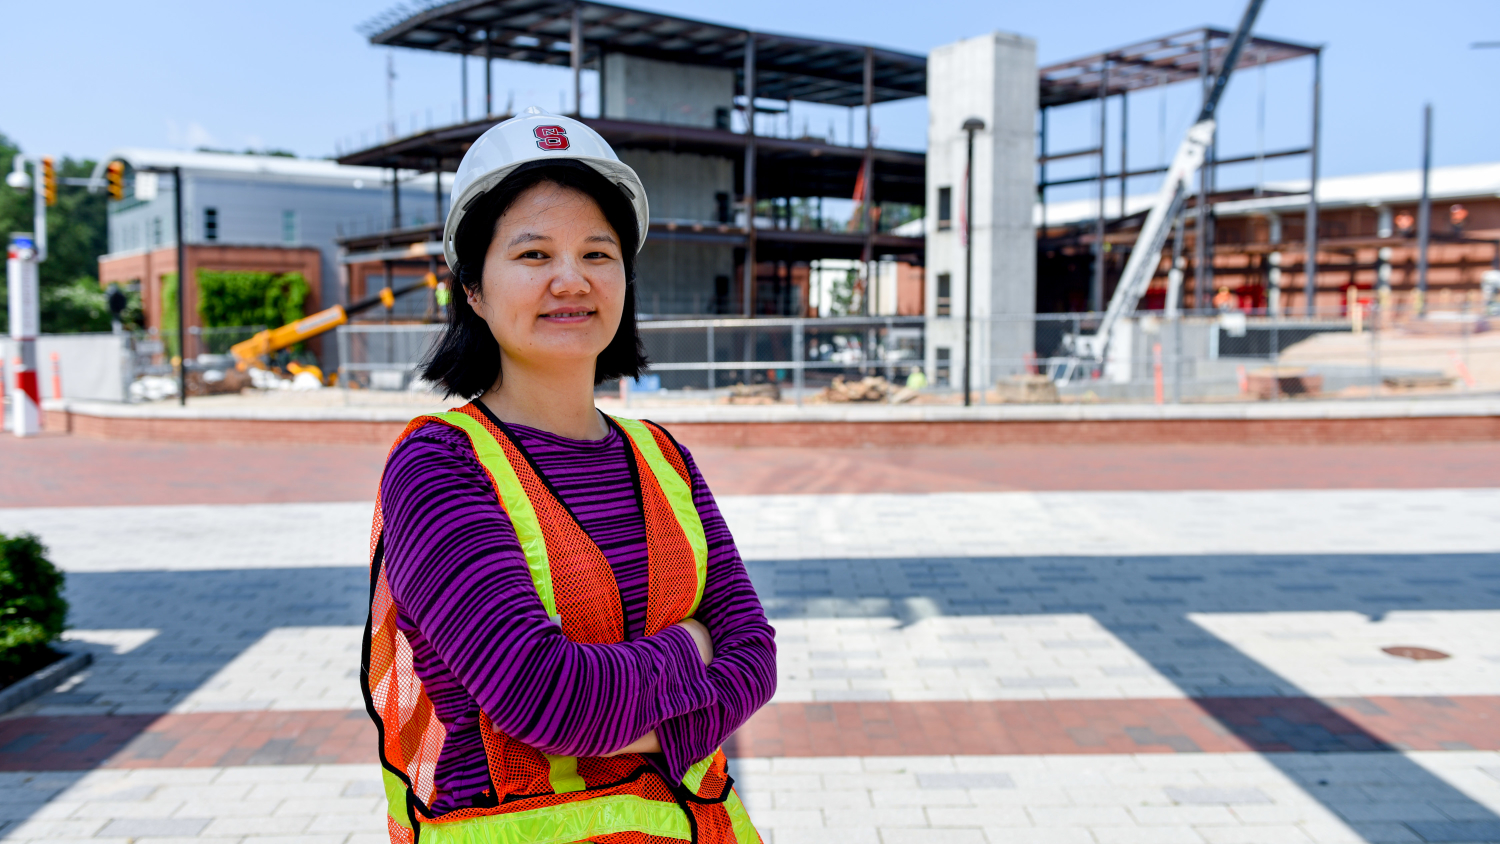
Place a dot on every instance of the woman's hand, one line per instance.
(700, 636)
(645, 744)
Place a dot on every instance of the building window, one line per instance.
(721, 118)
(721, 204)
(943, 374)
(289, 227)
(156, 231)
(945, 209)
(945, 294)
(210, 224)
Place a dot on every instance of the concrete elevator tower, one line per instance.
(994, 78)
(676, 275)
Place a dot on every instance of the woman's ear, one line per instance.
(473, 297)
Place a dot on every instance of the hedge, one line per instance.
(231, 298)
(32, 610)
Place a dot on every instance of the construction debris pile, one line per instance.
(1027, 389)
(767, 393)
(873, 388)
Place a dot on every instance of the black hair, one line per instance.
(465, 360)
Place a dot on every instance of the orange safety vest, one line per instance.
(538, 798)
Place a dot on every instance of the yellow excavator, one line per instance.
(272, 340)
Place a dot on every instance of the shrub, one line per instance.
(232, 298)
(32, 609)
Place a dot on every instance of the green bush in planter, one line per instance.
(32, 609)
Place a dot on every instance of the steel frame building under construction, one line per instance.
(723, 239)
(678, 100)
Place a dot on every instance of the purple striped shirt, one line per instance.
(482, 641)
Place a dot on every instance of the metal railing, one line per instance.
(383, 357)
(218, 340)
(151, 351)
(1226, 356)
(711, 354)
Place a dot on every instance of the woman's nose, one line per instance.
(570, 279)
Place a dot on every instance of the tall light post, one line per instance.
(971, 126)
(24, 254)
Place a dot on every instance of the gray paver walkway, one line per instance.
(1054, 596)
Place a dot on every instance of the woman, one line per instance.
(561, 631)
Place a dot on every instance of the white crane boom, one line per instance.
(1147, 252)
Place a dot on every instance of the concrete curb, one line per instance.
(1308, 409)
(1475, 419)
(43, 681)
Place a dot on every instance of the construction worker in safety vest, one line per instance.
(561, 631)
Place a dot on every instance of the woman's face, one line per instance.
(553, 288)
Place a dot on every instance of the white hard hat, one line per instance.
(536, 135)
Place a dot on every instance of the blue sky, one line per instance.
(297, 75)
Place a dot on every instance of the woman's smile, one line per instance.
(569, 316)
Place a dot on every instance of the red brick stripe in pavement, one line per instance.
(1215, 725)
(57, 470)
(189, 740)
(1212, 725)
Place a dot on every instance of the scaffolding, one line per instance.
(1188, 56)
(767, 67)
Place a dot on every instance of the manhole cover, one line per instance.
(1409, 652)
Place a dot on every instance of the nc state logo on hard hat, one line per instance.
(551, 138)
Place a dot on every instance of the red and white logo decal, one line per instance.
(551, 138)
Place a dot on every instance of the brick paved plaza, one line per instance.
(1103, 645)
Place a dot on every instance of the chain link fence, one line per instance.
(383, 357)
(799, 355)
(1152, 357)
(1252, 355)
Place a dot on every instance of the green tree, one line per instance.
(169, 312)
(71, 299)
(841, 297)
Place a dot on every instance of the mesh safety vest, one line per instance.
(537, 798)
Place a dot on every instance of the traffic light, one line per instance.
(49, 180)
(116, 174)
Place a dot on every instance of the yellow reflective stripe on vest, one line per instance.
(566, 823)
(693, 779)
(395, 797)
(739, 820)
(563, 774)
(678, 495)
(517, 504)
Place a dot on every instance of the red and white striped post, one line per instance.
(21, 280)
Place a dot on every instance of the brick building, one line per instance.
(1359, 217)
(242, 212)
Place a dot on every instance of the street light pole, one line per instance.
(971, 126)
(1424, 212)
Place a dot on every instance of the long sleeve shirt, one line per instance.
(482, 641)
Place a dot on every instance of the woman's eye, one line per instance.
(594, 256)
(533, 255)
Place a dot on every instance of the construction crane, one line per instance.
(274, 340)
(1091, 349)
